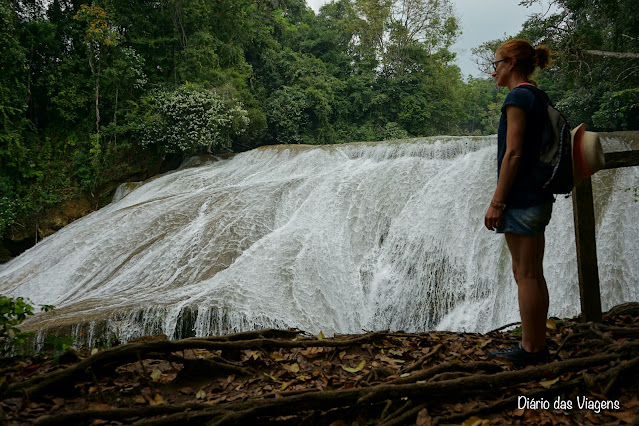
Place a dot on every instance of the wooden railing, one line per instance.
(584, 214)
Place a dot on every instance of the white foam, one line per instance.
(340, 239)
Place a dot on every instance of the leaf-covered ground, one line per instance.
(284, 377)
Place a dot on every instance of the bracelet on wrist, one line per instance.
(498, 206)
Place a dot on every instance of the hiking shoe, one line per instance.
(520, 357)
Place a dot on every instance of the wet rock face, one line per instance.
(21, 237)
(67, 213)
(31, 229)
(5, 254)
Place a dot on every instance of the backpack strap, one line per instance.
(537, 91)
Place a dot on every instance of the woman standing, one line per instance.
(520, 208)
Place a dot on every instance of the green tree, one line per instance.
(13, 105)
(99, 36)
(419, 29)
(482, 101)
(223, 75)
(619, 110)
(403, 34)
(597, 52)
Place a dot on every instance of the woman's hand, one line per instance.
(492, 220)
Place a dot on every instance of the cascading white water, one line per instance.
(340, 238)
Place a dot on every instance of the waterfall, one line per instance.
(338, 239)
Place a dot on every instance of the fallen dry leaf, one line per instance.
(474, 421)
(532, 417)
(634, 402)
(318, 371)
(484, 343)
(278, 357)
(254, 354)
(217, 400)
(311, 352)
(236, 397)
(594, 419)
(423, 418)
(294, 368)
(139, 399)
(275, 379)
(548, 383)
(155, 374)
(185, 390)
(625, 416)
(29, 369)
(356, 369)
(99, 406)
(518, 412)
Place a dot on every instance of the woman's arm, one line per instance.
(514, 140)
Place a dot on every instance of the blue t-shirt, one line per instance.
(526, 190)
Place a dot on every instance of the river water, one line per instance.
(339, 239)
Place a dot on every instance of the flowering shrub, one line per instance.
(191, 117)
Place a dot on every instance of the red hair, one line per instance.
(527, 58)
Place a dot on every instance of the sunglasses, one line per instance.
(496, 62)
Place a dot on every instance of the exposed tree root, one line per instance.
(107, 360)
(403, 415)
(451, 390)
(279, 377)
(423, 359)
(478, 383)
(209, 367)
(507, 402)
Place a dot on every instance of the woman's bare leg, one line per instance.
(527, 255)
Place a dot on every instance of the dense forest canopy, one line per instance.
(92, 93)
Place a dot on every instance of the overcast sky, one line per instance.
(480, 21)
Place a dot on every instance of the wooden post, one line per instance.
(584, 215)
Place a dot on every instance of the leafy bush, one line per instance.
(192, 117)
(12, 313)
(59, 346)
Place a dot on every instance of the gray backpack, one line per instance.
(554, 167)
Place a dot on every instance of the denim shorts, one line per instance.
(527, 221)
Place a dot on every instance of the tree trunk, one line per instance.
(97, 101)
(627, 55)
